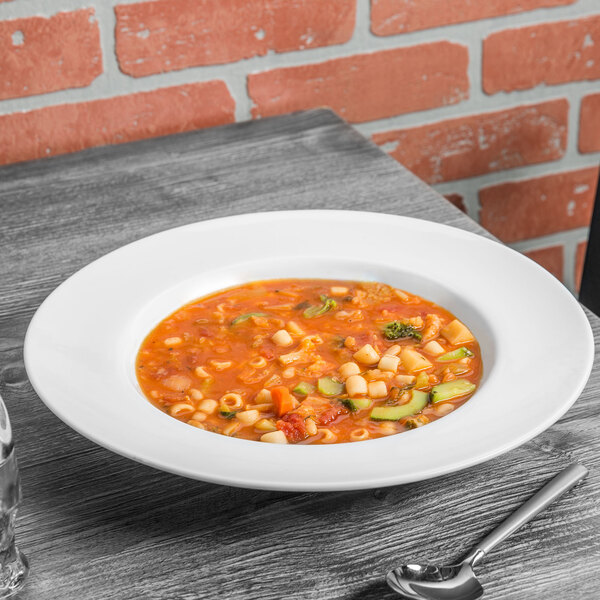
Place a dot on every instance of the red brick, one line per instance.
(479, 144)
(589, 124)
(168, 35)
(551, 258)
(71, 127)
(39, 55)
(552, 53)
(579, 262)
(389, 17)
(367, 86)
(527, 209)
(457, 200)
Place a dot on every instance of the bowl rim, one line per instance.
(40, 340)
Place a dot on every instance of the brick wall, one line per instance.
(495, 103)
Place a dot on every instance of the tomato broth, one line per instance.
(309, 361)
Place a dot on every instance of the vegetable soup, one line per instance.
(309, 361)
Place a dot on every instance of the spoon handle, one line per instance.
(555, 488)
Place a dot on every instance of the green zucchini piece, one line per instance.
(330, 386)
(451, 390)
(316, 311)
(245, 317)
(304, 388)
(417, 403)
(354, 404)
(455, 355)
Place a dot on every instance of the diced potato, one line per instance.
(338, 290)
(366, 355)
(349, 368)
(457, 333)
(263, 397)
(294, 328)
(173, 341)
(393, 350)
(413, 361)
(248, 417)
(208, 406)
(178, 383)
(274, 437)
(433, 348)
(388, 363)
(265, 425)
(403, 380)
(377, 389)
(356, 385)
(422, 380)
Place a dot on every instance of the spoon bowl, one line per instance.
(431, 582)
(416, 581)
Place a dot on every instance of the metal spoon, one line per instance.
(458, 582)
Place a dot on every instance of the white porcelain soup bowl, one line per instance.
(81, 345)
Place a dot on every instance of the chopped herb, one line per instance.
(227, 414)
(245, 317)
(397, 329)
(316, 311)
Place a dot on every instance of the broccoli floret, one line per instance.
(397, 329)
(317, 311)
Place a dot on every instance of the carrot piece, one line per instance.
(282, 400)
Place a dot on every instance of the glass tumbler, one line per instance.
(13, 564)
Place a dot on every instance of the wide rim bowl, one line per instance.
(81, 344)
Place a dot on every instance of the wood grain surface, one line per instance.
(97, 526)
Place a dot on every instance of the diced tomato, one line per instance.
(282, 400)
(331, 414)
(293, 426)
(267, 353)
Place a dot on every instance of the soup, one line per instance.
(309, 361)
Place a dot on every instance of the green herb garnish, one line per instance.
(227, 414)
(398, 329)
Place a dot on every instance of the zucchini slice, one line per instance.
(451, 390)
(417, 403)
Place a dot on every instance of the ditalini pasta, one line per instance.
(309, 361)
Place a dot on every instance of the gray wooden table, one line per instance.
(97, 526)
